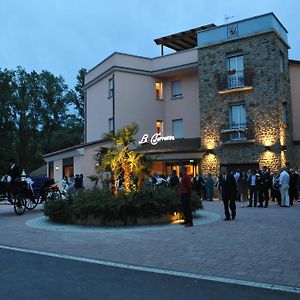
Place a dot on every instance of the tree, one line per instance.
(7, 124)
(35, 117)
(120, 159)
(79, 88)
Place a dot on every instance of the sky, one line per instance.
(62, 36)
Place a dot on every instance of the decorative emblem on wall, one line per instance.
(232, 30)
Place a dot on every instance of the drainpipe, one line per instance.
(113, 106)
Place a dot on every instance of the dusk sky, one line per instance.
(63, 36)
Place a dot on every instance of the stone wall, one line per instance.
(263, 103)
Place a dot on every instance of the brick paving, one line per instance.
(261, 245)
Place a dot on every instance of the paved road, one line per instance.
(32, 276)
(262, 246)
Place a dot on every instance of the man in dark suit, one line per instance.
(265, 185)
(13, 170)
(228, 186)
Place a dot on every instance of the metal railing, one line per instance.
(234, 79)
(236, 132)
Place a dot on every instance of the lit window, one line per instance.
(159, 90)
(235, 68)
(111, 124)
(177, 128)
(176, 89)
(159, 127)
(238, 122)
(110, 87)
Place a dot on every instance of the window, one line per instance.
(284, 113)
(111, 124)
(159, 90)
(160, 127)
(110, 87)
(235, 68)
(177, 128)
(238, 122)
(176, 89)
(281, 62)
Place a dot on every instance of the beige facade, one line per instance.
(134, 98)
(294, 67)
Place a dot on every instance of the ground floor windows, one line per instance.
(164, 168)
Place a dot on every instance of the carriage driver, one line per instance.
(13, 170)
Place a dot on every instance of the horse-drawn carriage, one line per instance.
(28, 193)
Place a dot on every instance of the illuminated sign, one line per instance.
(155, 139)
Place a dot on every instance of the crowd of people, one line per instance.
(72, 185)
(252, 188)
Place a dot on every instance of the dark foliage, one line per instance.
(103, 205)
(38, 114)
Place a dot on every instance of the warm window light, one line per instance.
(159, 90)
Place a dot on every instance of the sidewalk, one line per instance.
(261, 245)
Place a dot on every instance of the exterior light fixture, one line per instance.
(283, 148)
(209, 151)
(57, 168)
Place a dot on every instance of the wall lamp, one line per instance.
(57, 168)
(283, 148)
(209, 151)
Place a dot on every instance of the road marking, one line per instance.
(268, 286)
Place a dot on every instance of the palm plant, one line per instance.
(120, 159)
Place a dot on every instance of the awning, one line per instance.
(182, 40)
(176, 146)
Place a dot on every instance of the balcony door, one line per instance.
(238, 122)
(235, 67)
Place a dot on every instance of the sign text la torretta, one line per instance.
(155, 139)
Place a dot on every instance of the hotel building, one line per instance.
(228, 95)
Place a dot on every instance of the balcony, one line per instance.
(234, 81)
(237, 133)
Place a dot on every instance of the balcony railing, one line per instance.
(234, 79)
(236, 132)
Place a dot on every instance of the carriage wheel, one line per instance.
(19, 204)
(53, 195)
(31, 203)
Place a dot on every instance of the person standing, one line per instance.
(265, 185)
(173, 179)
(199, 185)
(242, 187)
(185, 196)
(228, 186)
(253, 183)
(77, 184)
(293, 186)
(209, 186)
(284, 180)
(236, 176)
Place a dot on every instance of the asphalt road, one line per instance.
(33, 276)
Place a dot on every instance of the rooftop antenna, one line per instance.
(227, 18)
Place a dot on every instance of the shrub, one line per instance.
(101, 204)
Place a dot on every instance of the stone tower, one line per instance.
(244, 93)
